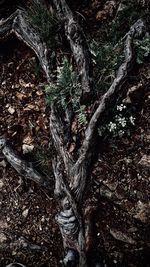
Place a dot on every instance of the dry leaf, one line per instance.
(31, 107)
(20, 96)
(72, 147)
(118, 235)
(27, 139)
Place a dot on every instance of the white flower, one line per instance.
(122, 121)
(121, 133)
(112, 126)
(132, 120)
(121, 107)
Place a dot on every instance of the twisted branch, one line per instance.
(85, 152)
(23, 167)
(78, 46)
(18, 24)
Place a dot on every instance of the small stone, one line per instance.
(3, 237)
(13, 253)
(25, 213)
(43, 219)
(11, 110)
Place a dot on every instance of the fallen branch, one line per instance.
(23, 167)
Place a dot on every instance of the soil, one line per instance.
(121, 174)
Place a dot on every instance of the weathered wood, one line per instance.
(23, 167)
(18, 24)
(79, 48)
(85, 152)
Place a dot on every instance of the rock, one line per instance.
(25, 213)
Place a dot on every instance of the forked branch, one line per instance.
(79, 47)
(136, 31)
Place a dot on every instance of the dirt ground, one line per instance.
(121, 175)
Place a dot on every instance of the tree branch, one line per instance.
(23, 167)
(79, 181)
(57, 132)
(18, 23)
(78, 46)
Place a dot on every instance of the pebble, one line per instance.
(3, 237)
(25, 213)
(11, 110)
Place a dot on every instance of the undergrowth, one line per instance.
(108, 52)
(106, 60)
(67, 88)
(45, 22)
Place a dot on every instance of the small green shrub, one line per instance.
(106, 61)
(142, 48)
(82, 116)
(66, 89)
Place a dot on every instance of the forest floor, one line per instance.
(121, 174)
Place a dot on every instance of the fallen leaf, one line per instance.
(20, 96)
(142, 212)
(118, 235)
(145, 161)
(72, 147)
(27, 139)
(24, 84)
(31, 107)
